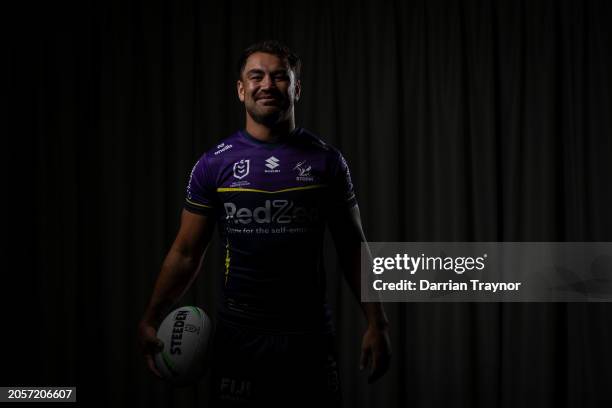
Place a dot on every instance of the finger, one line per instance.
(151, 365)
(380, 366)
(159, 345)
(153, 345)
(147, 336)
(364, 361)
(374, 368)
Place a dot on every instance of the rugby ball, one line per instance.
(186, 333)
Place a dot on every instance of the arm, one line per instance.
(178, 272)
(348, 235)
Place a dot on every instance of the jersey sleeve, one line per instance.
(201, 191)
(342, 190)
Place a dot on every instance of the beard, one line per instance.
(268, 115)
(268, 119)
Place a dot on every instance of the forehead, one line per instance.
(266, 62)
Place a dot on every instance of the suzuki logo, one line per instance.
(241, 168)
(272, 162)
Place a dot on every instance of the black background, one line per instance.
(460, 120)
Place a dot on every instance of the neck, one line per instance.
(270, 134)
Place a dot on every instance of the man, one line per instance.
(272, 188)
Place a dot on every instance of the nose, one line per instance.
(267, 82)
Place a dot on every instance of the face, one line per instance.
(268, 88)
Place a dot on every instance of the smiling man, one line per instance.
(272, 189)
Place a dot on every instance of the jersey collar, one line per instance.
(270, 145)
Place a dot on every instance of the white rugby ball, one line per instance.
(186, 333)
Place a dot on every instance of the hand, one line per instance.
(149, 344)
(375, 352)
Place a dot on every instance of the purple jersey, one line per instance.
(271, 202)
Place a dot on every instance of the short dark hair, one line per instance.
(275, 48)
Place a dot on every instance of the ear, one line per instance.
(240, 90)
(298, 90)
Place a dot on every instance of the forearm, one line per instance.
(373, 311)
(177, 273)
(348, 237)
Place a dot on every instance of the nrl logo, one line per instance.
(241, 168)
(192, 329)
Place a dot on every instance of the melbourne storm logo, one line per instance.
(303, 170)
(241, 168)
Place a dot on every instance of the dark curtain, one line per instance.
(460, 120)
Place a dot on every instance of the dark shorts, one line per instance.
(251, 369)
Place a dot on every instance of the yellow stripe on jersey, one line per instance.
(197, 204)
(255, 190)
